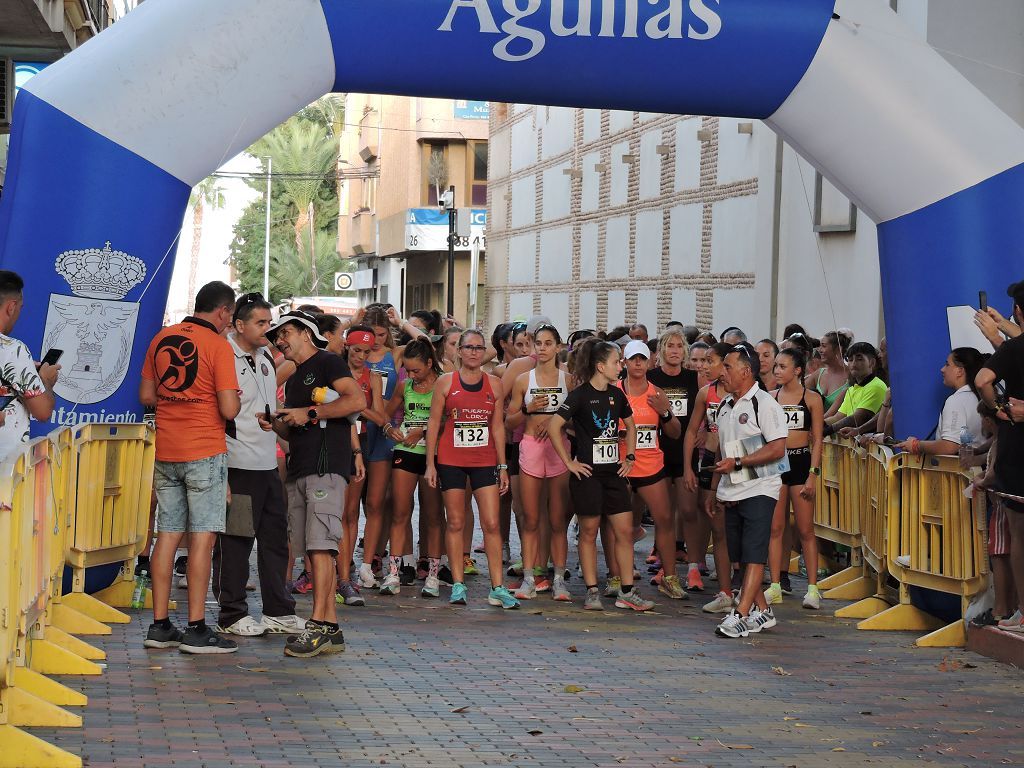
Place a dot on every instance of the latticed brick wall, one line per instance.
(658, 277)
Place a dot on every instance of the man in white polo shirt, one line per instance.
(258, 509)
(748, 479)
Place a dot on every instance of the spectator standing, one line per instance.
(189, 376)
(25, 388)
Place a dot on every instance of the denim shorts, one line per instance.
(191, 495)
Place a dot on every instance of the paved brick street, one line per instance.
(425, 684)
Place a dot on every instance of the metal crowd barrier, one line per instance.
(916, 529)
(75, 498)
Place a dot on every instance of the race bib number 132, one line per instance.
(471, 434)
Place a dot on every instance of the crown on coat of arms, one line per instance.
(101, 273)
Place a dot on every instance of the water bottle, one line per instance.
(139, 593)
(966, 447)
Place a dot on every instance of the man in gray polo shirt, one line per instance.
(747, 482)
(258, 509)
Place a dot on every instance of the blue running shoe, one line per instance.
(458, 594)
(500, 596)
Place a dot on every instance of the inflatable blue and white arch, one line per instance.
(108, 141)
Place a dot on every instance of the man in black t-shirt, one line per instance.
(320, 440)
(1001, 385)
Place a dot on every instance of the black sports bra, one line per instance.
(798, 417)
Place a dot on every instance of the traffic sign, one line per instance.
(343, 281)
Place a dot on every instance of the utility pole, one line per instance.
(448, 202)
(266, 242)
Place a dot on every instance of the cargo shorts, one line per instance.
(314, 512)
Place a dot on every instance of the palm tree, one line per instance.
(208, 193)
(306, 273)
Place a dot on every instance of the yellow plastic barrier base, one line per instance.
(23, 750)
(858, 589)
(47, 689)
(47, 658)
(794, 563)
(71, 643)
(32, 711)
(951, 636)
(864, 609)
(843, 577)
(96, 609)
(75, 623)
(902, 618)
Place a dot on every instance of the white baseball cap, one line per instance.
(637, 347)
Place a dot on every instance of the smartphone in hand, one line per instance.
(983, 301)
(52, 357)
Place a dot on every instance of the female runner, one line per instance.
(705, 415)
(833, 378)
(805, 417)
(470, 446)
(598, 483)
(536, 395)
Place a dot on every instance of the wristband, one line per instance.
(357, 451)
(816, 471)
(502, 467)
(666, 417)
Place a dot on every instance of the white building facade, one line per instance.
(598, 218)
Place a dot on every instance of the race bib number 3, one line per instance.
(646, 437)
(606, 450)
(471, 434)
(679, 403)
(794, 416)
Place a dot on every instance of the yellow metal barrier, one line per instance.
(936, 540)
(111, 481)
(30, 529)
(837, 509)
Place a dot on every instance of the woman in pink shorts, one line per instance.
(536, 395)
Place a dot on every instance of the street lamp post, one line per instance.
(448, 201)
(266, 241)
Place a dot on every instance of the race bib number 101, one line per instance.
(606, 450)
(471, 434)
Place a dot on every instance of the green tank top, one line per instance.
(417, 413)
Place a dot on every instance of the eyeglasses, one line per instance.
(472, 348)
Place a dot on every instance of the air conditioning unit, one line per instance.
(6, 93)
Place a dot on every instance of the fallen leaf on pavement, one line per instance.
(734, 746)
(572, 649)
(252, 669)
(838, 749)
(534, 732)
(949, 665)
(573, 689)
(463, 708)
(782, 672)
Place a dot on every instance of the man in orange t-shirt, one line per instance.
(189, 376)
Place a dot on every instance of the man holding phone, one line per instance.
(26, 388)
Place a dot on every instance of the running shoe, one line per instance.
(407, 575)
(516, 569)
(560, 592)
(391, 585)
(366, 578)
(479, 548)
(499, 596)
(422, 568)
(733, 626)
(812, 599)
(348, 594)
(655, 566)
(506, 554)
(302, 585)
(653, 557)
(181, 565)
(694, 582)
(633, 601)
(377, 564)
(158, 637)
(527, 590)
(737, 579)
(1013, 624)
(469, 566)
(458, 594)
(670, 587)
(543, 584)
(613, 586)
(183, 582)
(444, 575)
(773, 595)
(281, 625)
(758, 620)
(205, 640)
(314, 640)
(593, 600)
(639, 534)
(680, 554)
(431, 587)
(246, 626)
(787, 587)
(721, 604)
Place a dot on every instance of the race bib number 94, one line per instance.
(794, 416)
(606, 450)
(471, 434)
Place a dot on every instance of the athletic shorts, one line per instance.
(998, 528)
(314, 512)
(378, 446)
(512, 458)
(191, 495)
(748, 529)
(603, 494)
(537, 457)
(454, 478)
(799, 466)
(407, 461)
(636, 483)
(705, 470)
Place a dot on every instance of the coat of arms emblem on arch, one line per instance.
(95, 326)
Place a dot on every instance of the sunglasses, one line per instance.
(472, 348)
(244, 301)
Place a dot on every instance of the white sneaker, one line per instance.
(812, 599)
(721, 604)
(527, 591)
(733, 626)
(431, 587)
(183, 582)
(246, 626)
(903, 560)
(280, 625)
(758, 620)
(392, 584)
(366, 577)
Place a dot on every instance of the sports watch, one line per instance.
(311, 415)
